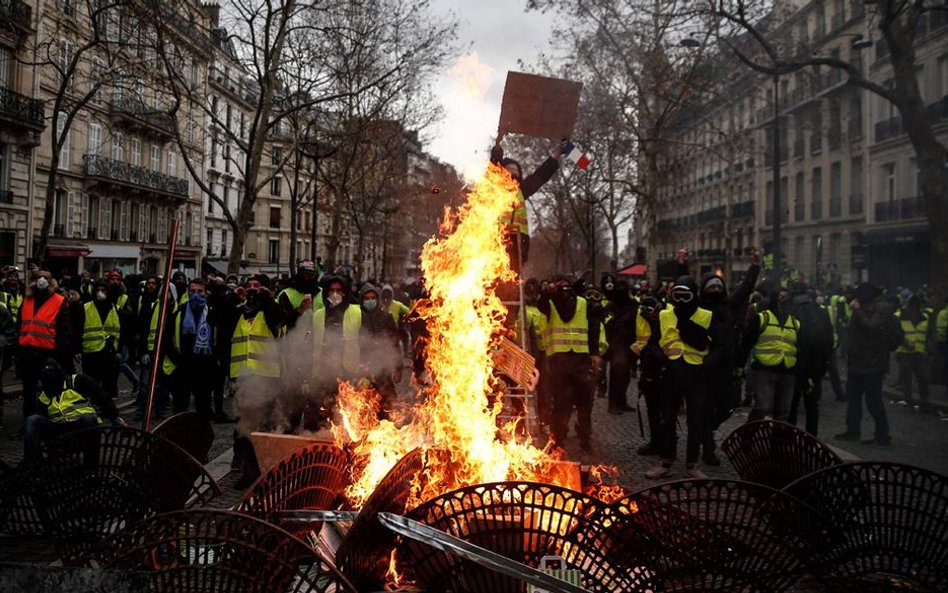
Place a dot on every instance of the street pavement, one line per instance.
(919, 439)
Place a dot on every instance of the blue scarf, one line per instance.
(201, 329)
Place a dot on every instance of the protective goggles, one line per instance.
(682, 294)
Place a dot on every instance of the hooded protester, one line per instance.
(179, 288)
(379, 347)
(336, 329)
(814, 349)
(574, 357)
(399, 312)
(44, 331)
(619, 314)
(771, 339)
(724, 365)
(298, 298)
(874, 332)
(686, 342)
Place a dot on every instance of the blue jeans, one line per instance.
(40, 428)
(869, 384)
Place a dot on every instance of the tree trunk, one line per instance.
(39, 250)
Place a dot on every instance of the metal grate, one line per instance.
(365, 552)
(91, 483)
(775, 453)
(310, 478)
(716, 535)
(893, 520)
(190, 432)
(522, 521)
(218, 551)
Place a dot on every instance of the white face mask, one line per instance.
(334, 298)
(42, 283)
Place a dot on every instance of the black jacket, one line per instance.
(814, 338)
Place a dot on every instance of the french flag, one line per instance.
(576, 155)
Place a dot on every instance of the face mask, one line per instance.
(231, 286)
(609, 286)
(197, 300)
(99, 296)
(42, 283)
(370, 304)
(334, 299)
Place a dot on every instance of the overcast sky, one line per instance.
(498, 33)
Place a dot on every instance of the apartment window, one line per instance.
(172, 163)
(159, 99)
(210, 198)
(225, 199)
(243, 126)
(209, 244)
(98, 69)
(817, 191)
(123, 216)
(274, 217)
(62, 134)
(916, 178)
(227, 157)
(275, 184)
(888, 181)
(273, 252)
(855, 186)
(95, 138)
(224, 244)
(68, 7)
(308, 219)
(188, 226)
(162, 225)
(230, 116)
(799, 206)
(190, 127)
(213, 153)
(136, 145)
(134, 221)
(105, 218)
(836, 189)
(84, 209)
(65, 61)
(155, 160)
(214, 108)
(118, 147)
(59, 212)
(275, 156)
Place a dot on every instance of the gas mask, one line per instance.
(42, 283)
(334, 299)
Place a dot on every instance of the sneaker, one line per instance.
(659, 471)
(695, 473)
(847, 436)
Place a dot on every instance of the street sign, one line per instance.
(539, 106)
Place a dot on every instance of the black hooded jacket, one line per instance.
(691, 333)
(620, 316)
(727, 323)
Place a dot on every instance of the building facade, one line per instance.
(848, 187)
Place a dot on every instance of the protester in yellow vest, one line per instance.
(336, 328)
(772, 338)
(298, 299)
(399, 312)
(575, 359)
(685, 342)
(517, 222)
(913, 354)
(65, 405)
(189, 361)
(101, 329)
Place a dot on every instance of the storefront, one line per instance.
(110, 256)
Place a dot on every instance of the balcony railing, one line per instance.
(712, 214)
(21, 109)
(855, 203)
(17, 12)
(903, 209)
(139, 177)
(836, 206)
(135, 108)
(743, 209)
(889, 128)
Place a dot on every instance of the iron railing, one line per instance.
(124, 173)
(21, 108)
(17, 12)
(903, 209)
(742, 209)
(135, 107)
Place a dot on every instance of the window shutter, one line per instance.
(69, 224)
(84, 216)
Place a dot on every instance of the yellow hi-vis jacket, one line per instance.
(95, 333)
(941, 325)
(776, 344)
(568, 337)
(915, 336)
(69, 405)
(670, 341)
(518, 217)
(536, 322)
(643, 332)
(351, 325)
(253, 349)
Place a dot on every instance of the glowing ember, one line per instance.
(465, 321)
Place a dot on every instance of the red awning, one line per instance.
(634, 270)
(67, 251)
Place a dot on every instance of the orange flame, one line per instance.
(465, 321)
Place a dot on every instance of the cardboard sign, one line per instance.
(539, 106)
(516, 363)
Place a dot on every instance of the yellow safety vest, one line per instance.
(518, 217)
(777, 344)
(153, 326)
(294, 296)
(941, 325)
(568, 337)
(643, 332)
(13, 303)
(831, 311)
(121, 301)
(69, 405)
(536, 321)
(670, 341)
(351, 325)
(94, 334)
(915, 336)
(253, 349)
(167, 366)
(397, 310)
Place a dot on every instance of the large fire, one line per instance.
(454, 419)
